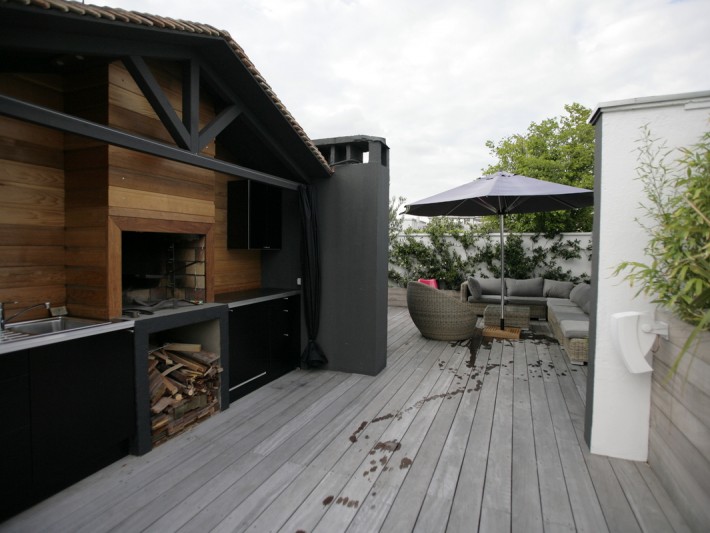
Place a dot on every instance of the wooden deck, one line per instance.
(436, 442)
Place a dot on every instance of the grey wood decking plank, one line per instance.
(219, 453)
(227, 507)
(673, 515)
(360, 415)
(444, 476)
(496, 505)
(649, 514)
(612, 497)
(423, 399)
(400, 404)
(424, 437)
(307, 515)
(361, 412)
(554, 500)
(586, 508)
(235, 482)
(525, 498)
(466, 507)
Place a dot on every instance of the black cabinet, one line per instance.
(82, 408)
(264, 343)
(68, 411)
(15, 434)
(253, 215)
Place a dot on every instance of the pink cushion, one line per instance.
(430, 282)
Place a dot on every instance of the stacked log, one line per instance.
(184, 388)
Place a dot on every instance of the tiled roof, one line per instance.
(145, 19)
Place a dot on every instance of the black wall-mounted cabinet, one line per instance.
(253, 216)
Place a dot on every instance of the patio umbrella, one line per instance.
(500, 194)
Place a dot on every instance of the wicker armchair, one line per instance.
(439, 316)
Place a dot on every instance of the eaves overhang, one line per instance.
(66, 27)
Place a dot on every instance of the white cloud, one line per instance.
(438, 79)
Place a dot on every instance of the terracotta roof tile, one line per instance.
(159, 22)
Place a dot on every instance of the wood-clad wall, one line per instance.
(31, 201)
(65, 199)
(86, 160)
(679, 441)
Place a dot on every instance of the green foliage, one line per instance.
(439, 260)
(678, 272)
(395, 221)
(560, 150)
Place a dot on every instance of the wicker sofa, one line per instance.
(438, 315)
(563, 304)
(569, 322)
(532, 293)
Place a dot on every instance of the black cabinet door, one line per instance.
(15, 434)
(264, 343)
(285, 335)
(248, 348)
(82, 407)
(253, 215)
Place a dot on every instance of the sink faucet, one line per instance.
(3, 320)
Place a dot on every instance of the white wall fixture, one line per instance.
(634, 334)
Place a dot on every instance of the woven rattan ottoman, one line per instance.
(516, 316)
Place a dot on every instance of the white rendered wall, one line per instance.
(621, 401)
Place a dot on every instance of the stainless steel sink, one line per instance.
(46, 326)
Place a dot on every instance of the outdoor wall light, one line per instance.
(634, 334)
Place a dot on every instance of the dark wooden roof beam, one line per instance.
(147, 83)
(35, 114)
(217, 125)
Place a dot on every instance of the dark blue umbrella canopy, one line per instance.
(500, 194)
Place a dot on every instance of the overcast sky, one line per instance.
(439, 78)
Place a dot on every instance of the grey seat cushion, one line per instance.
(566, 313)
(575, 328)
(526, 300)
(486, 298)
(560, 302)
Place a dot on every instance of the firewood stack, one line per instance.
(184, 388)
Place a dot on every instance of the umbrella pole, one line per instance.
(502, 275)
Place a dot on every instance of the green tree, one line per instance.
(396, 221)
(560, 150)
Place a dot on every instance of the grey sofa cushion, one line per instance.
(481, 286)
(566, 313)
(560, 302)
(557, 289)
(574, 329)
(581, 294)
(524, 287)
(486, 298)
(525, 300)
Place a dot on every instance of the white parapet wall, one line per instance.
(621, 401)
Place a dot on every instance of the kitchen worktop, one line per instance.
(240, 298)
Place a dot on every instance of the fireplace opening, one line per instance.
(162, 268)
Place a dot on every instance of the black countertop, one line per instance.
(239, 298)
